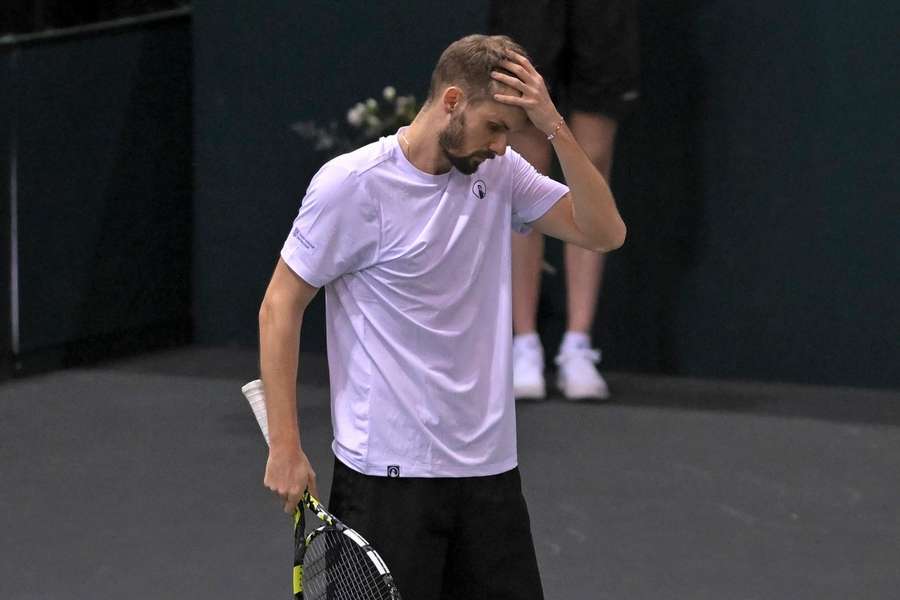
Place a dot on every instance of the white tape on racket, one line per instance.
(256, 396)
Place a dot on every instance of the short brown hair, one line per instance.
(468, 63)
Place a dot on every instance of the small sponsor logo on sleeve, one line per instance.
(303, 241)
(393, 471)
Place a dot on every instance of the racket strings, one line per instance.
(336, 568)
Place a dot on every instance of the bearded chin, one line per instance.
(464, 164)
(453, 137)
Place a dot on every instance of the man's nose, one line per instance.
(498, 146)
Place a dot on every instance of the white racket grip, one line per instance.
(256, 396)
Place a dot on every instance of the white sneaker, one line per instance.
(528, 368)
(577, 377)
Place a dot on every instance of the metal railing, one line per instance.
(93, 28)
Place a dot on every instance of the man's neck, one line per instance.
(419, 143)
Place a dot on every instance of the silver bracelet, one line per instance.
(556, 129)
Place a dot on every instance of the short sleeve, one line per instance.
(533, 194)
(337, 230)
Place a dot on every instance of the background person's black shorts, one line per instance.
(586, 50)
(461, 538)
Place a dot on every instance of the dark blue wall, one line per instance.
(103, 169)
(760, 183)
(758, 180)
(7, 115)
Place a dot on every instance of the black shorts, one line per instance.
(444, 538)
(586, 50)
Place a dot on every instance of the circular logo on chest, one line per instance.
(479, 189)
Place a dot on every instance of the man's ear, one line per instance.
(452, 98)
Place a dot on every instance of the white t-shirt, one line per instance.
(417, 277)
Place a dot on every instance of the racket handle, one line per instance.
(256, 396)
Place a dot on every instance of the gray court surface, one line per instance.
(142, 479)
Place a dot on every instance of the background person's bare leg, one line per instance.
(584, 269)
(584, 272)
(527, 256)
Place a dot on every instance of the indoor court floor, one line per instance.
(142, 478)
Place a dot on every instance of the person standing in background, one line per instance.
(587, 51)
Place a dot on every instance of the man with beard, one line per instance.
(410, 237)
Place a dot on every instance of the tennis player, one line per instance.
(410, 237)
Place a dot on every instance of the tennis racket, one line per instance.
(334, 562)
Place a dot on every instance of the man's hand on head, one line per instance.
(535, 98)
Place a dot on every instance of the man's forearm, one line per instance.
(279, 340)
(593, 206)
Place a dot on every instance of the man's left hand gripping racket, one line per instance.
(333, 561)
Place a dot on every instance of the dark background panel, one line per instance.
(104, 179)
(759, 182)
(758, 179)
(7, 115)
(16, 16)
(800, 167)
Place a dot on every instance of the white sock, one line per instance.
(574, 340)
(527, 340)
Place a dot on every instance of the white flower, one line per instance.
(306, 129)
(371, 104)
(325, 142)
(355, 115)
(373, 122)
(402, 103)
(389, 93)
